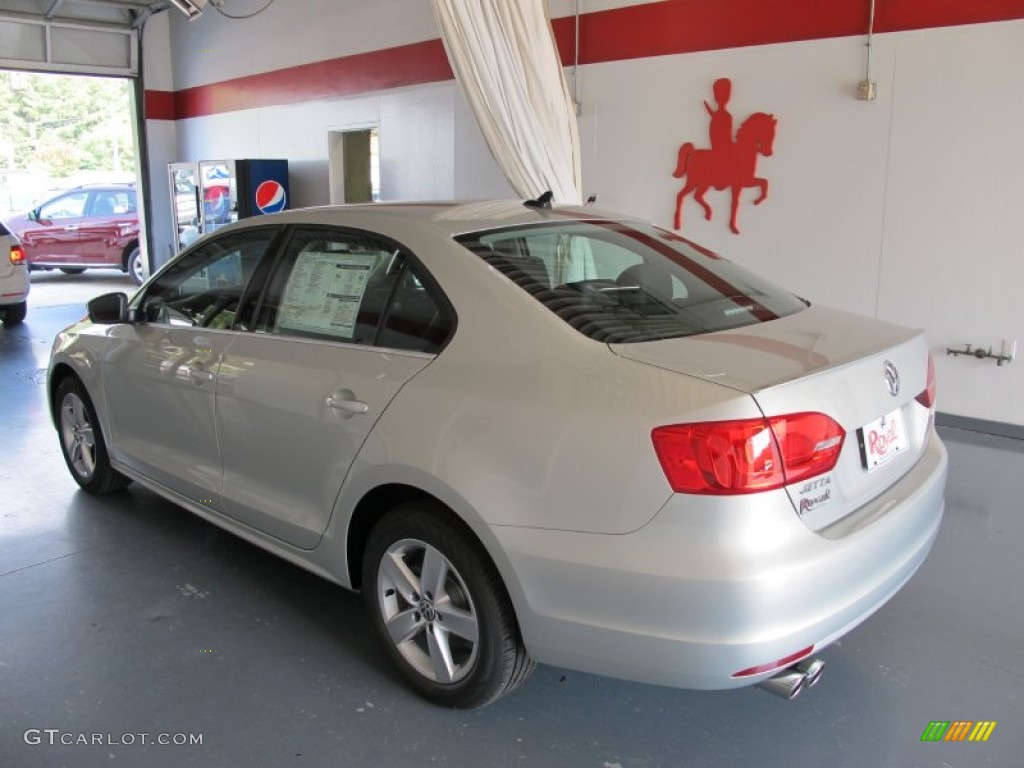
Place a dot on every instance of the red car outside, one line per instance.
(81, 228)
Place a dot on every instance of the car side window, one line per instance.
(415, 319)
(71, 206)
(352, 287)
(111, 203)
(206, 286)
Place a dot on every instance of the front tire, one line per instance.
(13, 314)
(440, 609)
(81, 441)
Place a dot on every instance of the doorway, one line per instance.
(354, 165)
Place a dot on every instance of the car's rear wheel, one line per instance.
(441, 610)
(135, 267)
(81, 440)
(72, 270)
(12, 314)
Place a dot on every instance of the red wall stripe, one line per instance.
(159, 105)
(639, 31)
(413, 64)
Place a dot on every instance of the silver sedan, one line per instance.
(526, 434)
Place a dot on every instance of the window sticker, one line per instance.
(324, 292)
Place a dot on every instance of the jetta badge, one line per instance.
(892, 377)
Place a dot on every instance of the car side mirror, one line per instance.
(33, 215)
(109, 309)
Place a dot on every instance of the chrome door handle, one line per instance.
(71, 227)
(198, 374)
(347, 403)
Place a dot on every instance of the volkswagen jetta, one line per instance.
(525, 434)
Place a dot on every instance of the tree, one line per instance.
(60, 124)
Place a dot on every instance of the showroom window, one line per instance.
(207, 287)
(352, 287)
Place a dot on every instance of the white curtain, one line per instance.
(504, 56)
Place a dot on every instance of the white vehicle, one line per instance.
(14, 279)
(525, 434)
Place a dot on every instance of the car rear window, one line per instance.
(620, 282)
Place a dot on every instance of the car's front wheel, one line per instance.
(440, 609)
(12, 314)
(81, 440)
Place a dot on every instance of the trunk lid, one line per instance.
(829, 361)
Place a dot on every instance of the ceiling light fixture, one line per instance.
(191, 8)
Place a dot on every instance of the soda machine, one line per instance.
(211, 193)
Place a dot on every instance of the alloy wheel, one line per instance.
(77, 435)
(428, 611)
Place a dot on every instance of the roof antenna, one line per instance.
(544, 201)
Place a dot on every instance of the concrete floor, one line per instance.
(126, 615)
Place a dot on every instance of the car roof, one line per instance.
(453, 217)
(111, 185)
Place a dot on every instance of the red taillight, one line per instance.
(810, 444)
(927, 398)
(747, 455)
(17, 255)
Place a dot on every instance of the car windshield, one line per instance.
(619, 282)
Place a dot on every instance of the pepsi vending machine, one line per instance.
(212, 193)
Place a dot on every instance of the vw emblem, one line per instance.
(428, 611)
(892, 377)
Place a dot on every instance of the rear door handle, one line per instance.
(346, 401)
(71, 227)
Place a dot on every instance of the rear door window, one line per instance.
(114, 202)
(356, 288)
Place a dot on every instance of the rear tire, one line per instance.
(134, 266)
(14, 314)
(81, 441)
(440, 609)
(72, 270)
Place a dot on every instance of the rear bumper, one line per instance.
(14, 288)
(707, 589)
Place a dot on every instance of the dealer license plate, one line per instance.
(882, 440)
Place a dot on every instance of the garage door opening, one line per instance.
(68, 165)
(61, 131)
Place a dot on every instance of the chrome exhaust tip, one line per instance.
(812, 669)
(791, 681)
(788, 683)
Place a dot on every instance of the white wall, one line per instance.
(416, 140)
(907, 207)
(954, 226)
(290, 32)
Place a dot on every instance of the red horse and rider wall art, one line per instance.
(729, 163)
